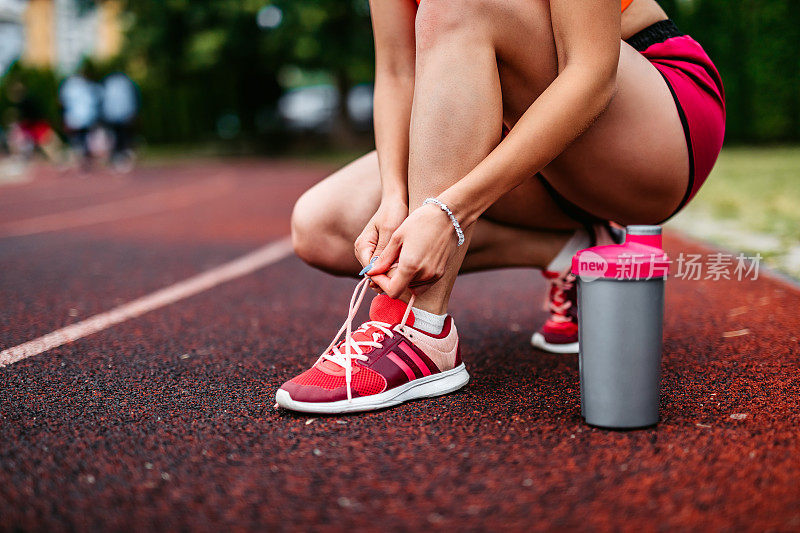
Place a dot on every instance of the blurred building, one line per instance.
(58, 33)
(11, 32)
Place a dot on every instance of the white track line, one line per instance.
(264, 256)
(118, 210)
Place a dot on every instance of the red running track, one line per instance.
(166, 422)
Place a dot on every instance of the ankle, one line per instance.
(428, 322)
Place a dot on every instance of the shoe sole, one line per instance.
(424, 387)
(537, 340)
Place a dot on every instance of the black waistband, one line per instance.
(657, 33)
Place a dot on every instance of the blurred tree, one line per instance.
(200, 60)
(334, 36)
(197, 61)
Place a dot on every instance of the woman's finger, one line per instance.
(365, 245)
(388, 256)
(382, 281)
(384, 236)
(364, 254)
(400, 281)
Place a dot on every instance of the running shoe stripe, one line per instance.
(402, 365)
(414, 357)
(433, 367)
(407, 360)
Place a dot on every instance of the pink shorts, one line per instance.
(697, 89)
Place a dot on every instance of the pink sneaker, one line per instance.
(559, 334)
(385, 362)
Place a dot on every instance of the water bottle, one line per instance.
(620, 324)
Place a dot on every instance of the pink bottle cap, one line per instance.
(640, 257)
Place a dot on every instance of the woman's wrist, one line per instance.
(394, 192)
(463, 210)
(453, 220)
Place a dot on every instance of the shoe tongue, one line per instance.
(389, 310)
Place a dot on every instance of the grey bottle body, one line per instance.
(620, 335)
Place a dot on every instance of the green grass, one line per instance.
(751, 204)
(758, 188)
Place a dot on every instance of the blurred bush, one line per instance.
(754, 43)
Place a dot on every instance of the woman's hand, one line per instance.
(421, 248)
(379, 230)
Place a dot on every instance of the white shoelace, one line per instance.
(353, 348)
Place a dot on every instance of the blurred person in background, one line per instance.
(80, 98)
(30, 131)
(120, 103)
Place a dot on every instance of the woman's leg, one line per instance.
(524, 228)
(330, 215)
(456, 119)
(479, 61)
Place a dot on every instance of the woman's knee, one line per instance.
(316, 234)
(439, 20)
(493, 23)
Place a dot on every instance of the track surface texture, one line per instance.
(166, 421)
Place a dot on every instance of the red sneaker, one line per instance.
(560, 333)
(383, 363)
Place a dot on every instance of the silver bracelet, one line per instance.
(450, 214)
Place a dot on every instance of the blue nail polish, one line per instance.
(367, 268)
